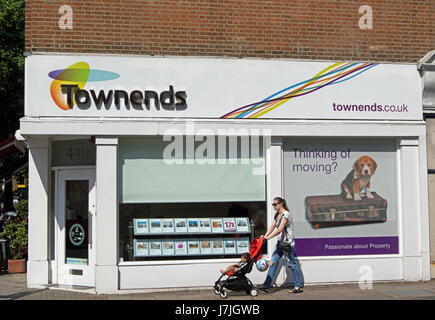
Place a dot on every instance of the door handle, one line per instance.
(90, 217)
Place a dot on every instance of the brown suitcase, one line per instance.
(334, 210)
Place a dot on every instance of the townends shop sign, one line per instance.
(67, 90)
(146, 87)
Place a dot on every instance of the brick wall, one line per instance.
(403, 30)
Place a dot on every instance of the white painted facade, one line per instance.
(412, 263)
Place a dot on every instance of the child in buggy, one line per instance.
(237, 280)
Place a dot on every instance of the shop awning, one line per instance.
(7, 147)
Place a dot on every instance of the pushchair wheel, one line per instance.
(254, 292)
(224, 293)
(217, 289)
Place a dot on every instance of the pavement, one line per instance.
(13, 287)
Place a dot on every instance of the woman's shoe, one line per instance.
(296, 290)
(263, 288)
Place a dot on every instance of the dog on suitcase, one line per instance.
(359, 179)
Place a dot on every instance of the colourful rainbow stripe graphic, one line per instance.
(334, 74)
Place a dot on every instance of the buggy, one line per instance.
(238, 281)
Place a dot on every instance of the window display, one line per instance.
(144, 228)
(173, 246)
(183, 209)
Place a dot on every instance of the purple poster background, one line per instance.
(346, 246)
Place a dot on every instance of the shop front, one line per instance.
(154, 173)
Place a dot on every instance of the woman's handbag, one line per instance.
(283, 245)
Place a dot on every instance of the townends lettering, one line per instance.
(167, 100)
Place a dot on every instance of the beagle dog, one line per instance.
(359, 178)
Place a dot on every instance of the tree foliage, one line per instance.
(11, 65)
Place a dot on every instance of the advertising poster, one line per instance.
(217, 225)
(193, 247)
(243, 245)
(180, 247)
(206, 246)
(140, 248)
(242, 225)
(230, 246)
(193, 225)
(168, 225)
(218, 246)
(168, 248)
(140, 226)
(180, 225)
(205, 225)
(229, 225)
(342, 195)
(155, 248)
(155, 225)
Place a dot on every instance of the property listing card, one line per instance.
(140, 248)
(140, 226)
(205, 225)
(243, 245)
(230, 246)
(242, 224)
(218, 246)
(180, 247)
(155, 225)
(193, 247)
(155, 248)
(168, 248)
(217, 225)
(180, 225)
(229, 225)
(193, 225)
(206, 246)
(168, 226)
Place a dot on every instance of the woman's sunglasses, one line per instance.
(275, 203)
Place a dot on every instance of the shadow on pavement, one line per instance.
(18, 295)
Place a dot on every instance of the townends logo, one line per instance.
(68, 90)
(76, 75)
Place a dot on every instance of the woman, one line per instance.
(282, 226)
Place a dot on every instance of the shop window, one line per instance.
(177, 205)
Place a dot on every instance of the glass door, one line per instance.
(75, 214)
